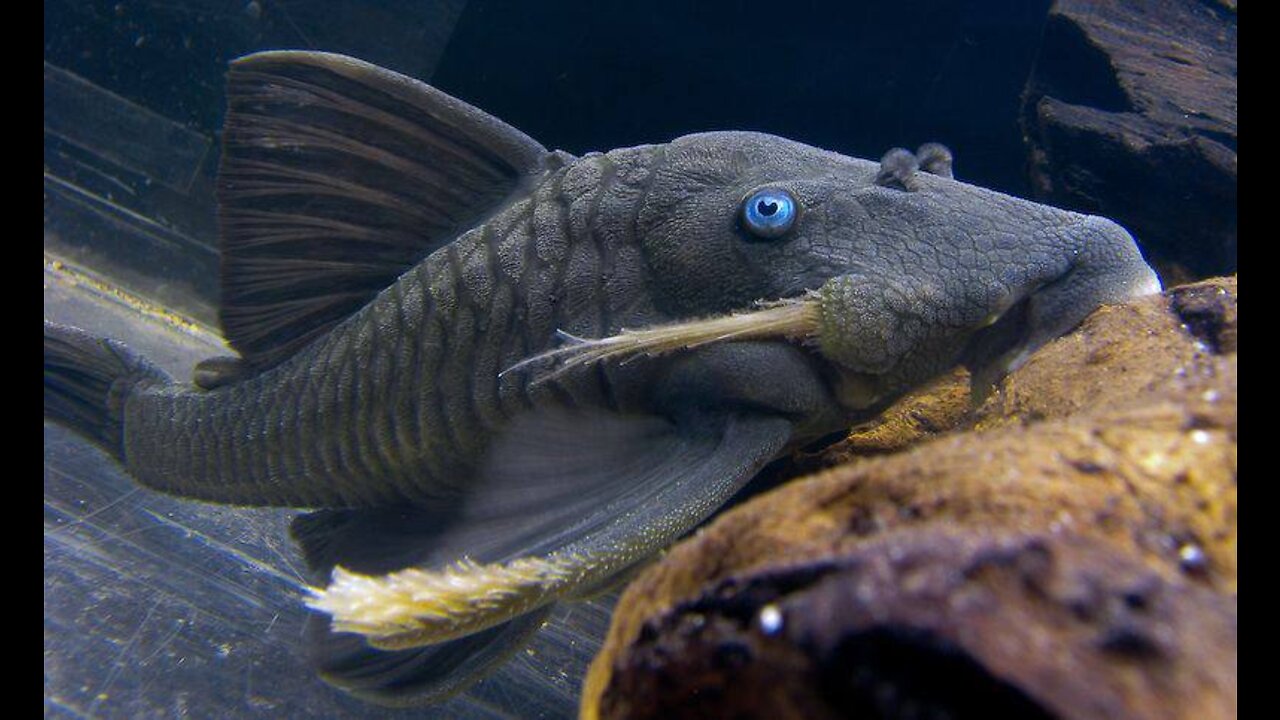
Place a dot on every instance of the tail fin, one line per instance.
(86, 380)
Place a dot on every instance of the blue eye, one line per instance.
(769, 213)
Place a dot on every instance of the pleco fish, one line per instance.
(504, 375)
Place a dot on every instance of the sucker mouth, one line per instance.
(856, 391)
(999, 347)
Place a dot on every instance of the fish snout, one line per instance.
(887, 337)
(1109, 256)
(1103, 266)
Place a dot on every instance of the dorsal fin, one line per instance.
(336, 177)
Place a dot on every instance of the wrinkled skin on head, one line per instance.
(913, 281)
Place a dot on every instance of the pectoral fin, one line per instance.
(566, 502)
(384, 540)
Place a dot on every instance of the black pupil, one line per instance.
(767, 207)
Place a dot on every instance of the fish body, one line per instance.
(393, 259)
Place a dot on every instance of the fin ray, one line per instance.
(338, 176)
(568, 501)
(86, 379)
(417, 676)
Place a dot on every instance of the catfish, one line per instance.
(501, 376)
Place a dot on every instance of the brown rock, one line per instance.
(1131, 114)
(1177, 347)
(937, 623)
(1113, 450)
(1208, 310)
(935, 409)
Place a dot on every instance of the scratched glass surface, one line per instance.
(161, 607)
(157, 606)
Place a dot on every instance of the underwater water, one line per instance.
(162, 607)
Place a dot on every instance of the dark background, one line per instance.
(855, 77)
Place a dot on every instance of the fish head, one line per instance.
(915, 272)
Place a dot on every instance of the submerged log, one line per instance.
(1130, 113)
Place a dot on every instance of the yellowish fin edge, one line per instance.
(417, 607)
